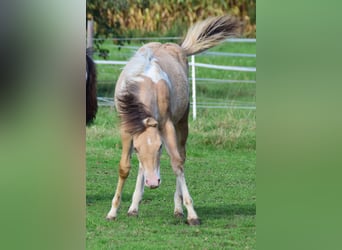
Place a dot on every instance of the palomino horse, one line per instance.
(91, 97)
(152, 98)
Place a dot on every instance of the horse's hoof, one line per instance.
(133, 213)
(109, 218)
(193, 222)
(178, 215)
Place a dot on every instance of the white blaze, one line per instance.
(149, 142)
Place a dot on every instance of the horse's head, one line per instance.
(148, 147)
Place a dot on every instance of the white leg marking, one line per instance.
(116, 201)
(178, 198)
(187, 200)
(113, 211)
(138, 193)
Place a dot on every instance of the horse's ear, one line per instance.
(150, 122)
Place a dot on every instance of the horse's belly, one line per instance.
(179, 101)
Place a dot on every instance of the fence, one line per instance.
(193, 64)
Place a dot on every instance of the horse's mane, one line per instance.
(132, 112)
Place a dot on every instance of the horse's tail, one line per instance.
(208, 33)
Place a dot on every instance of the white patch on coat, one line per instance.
(149, 142)
(136, 66)
(155, 73)
(144, 64)
(138, 63)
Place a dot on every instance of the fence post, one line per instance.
(90, 24)
(194, 114)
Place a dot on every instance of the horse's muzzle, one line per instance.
(152, 183)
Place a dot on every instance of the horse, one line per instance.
(91, 95)
(152, 100)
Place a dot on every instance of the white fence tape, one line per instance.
(233, 68)
(232, 40)
(111, 62)
(106, 101)
(203, 65)
(215, 81)
(214, 53)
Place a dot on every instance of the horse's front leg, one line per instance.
(124, 168)
(138, 193)
(177, 163)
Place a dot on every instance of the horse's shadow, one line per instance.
(95, 198)
(205, 212)
(218, 212)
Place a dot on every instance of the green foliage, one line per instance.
(143, 17)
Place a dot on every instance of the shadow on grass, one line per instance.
(208, 213)
(92, 199)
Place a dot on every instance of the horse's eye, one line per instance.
(161, 146)
(135, 149)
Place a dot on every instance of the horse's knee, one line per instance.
(124, 171)
(178, 166)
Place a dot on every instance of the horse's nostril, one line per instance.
(152, 184)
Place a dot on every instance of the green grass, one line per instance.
(220, 171)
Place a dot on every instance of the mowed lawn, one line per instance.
(220, 171)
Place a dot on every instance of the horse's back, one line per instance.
(172, 67)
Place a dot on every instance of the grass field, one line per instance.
(220, 172)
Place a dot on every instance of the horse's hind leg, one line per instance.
(124, 168)
(181, 137)
(177, 162)
(178, 198)
(182, 131)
